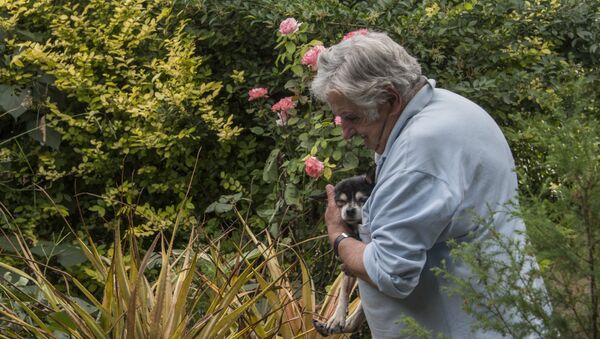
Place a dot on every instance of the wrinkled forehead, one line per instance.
(340, 104)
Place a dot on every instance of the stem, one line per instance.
(587, 215)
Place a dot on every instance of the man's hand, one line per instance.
(333, 216)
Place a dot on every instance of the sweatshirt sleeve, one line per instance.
(407, 214)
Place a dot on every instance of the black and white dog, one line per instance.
(350, 196)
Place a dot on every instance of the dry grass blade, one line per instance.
(132, 307)
(219, 315)
(161, 286)
(183, 286)
(308, 296)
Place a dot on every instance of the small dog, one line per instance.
(350, 196)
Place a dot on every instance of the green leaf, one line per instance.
(298, 70)
(327, 173)
(350, 161)
(293, 83)
(270, 170)
(266, 212)
(275, 230)
(224, 204)
(14, 100)
(291, 195)
(290, 47)
(61, 321)
(218, 207)
(337, 155)
(99, 209)
(17, 62)
(257, 130)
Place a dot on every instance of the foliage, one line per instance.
(568, 201)
(123, 91)
(197, 293)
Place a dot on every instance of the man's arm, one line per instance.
(350, 250)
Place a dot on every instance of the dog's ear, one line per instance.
(318, 196)
(370, 176)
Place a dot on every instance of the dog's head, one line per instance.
(350, 196)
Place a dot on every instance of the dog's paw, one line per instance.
(320, 327)
(333, 326)
(336, 324)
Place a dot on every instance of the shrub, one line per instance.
(122, 91)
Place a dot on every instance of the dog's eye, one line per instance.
(362, 200)
(340, 203)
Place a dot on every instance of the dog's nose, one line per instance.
(351, 212)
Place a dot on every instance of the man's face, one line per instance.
(355, 122)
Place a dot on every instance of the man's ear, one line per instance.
(395, 100)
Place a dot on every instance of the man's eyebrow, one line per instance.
(352, 116)
(345, 114)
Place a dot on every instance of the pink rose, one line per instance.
(337, 120)
(288, 26)
(362, 31)
(313, 167)
(284, 104)
(256, 93)
(311, 56)
(282, 107)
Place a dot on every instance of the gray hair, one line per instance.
(362, 69)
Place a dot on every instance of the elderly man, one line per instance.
(441, 159)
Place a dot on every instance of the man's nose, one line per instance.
(347, 131)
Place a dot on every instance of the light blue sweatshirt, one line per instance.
(445, 160)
